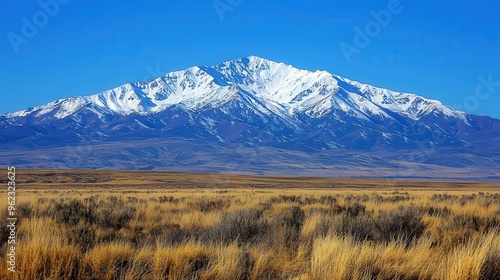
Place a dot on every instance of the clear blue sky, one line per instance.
(436, 49)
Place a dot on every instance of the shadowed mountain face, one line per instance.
(253, 115)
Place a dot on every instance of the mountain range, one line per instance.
(253, 115)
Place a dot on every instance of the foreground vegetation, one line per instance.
(255, 234)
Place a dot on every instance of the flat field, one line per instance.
(156, 225)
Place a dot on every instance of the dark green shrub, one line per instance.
(24, 210)
(205, 204)
(359, 227)
(404, 223)
(243, 226)
(355, 210)
(490, 269)
(114, 217)
(72, 212)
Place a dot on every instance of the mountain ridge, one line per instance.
(218, 74)
(252, 104)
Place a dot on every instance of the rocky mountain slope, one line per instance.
(252, 115)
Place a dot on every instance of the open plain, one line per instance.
(80, 224)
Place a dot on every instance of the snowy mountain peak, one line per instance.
(262, 84)
(263, 116)
(407, 104)
(253, 63)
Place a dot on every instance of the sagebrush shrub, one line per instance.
(241, 225)
(491, 267)
(403, 223)
(359, 227)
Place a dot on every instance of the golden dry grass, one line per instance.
(397, 231)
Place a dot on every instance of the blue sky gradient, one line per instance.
(437, 49)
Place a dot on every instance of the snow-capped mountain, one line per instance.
(296, 119)
(280, 88)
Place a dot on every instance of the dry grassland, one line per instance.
(146, 225)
